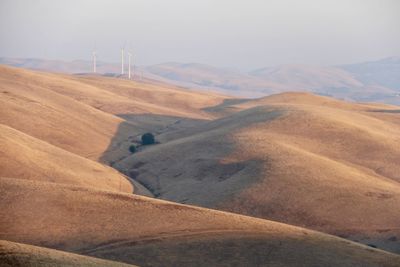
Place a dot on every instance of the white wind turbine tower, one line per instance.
(129, 65)
(122, 61)
(94, 61)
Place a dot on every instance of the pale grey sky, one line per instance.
(244, 34)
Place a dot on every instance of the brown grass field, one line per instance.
(26, 157)
(150, 232)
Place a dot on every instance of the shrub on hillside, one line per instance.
(132, 148)
(148, 139)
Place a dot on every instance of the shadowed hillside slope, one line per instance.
(294, 158)
(150, 232)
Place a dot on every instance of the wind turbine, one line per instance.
(94, 61)
(122, 61)
(129, 66)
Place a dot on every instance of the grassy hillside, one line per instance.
(29, 104)
(21, 255)
(25, 157)
(295, 158)
(77, 113)
(150, 232)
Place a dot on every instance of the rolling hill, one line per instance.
(115, 225)
(200, 76)
(261, 81)
(295, 158)
(383, 72)
(80, 114)
(26, 157)
(332, 81)
(30, 105)
(59, 66)
(18, 255)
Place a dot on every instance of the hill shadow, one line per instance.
(165, 128)
(190, 164)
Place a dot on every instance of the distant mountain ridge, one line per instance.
(60, 66)
(374, 81)
(385, 72)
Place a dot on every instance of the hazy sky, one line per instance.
(244, 34)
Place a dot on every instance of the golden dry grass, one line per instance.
(29, 104)
(21, 255)
(149, 97)
(151, 232)
(26, 157)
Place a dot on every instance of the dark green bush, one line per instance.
(148, 139)
(132, 148)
